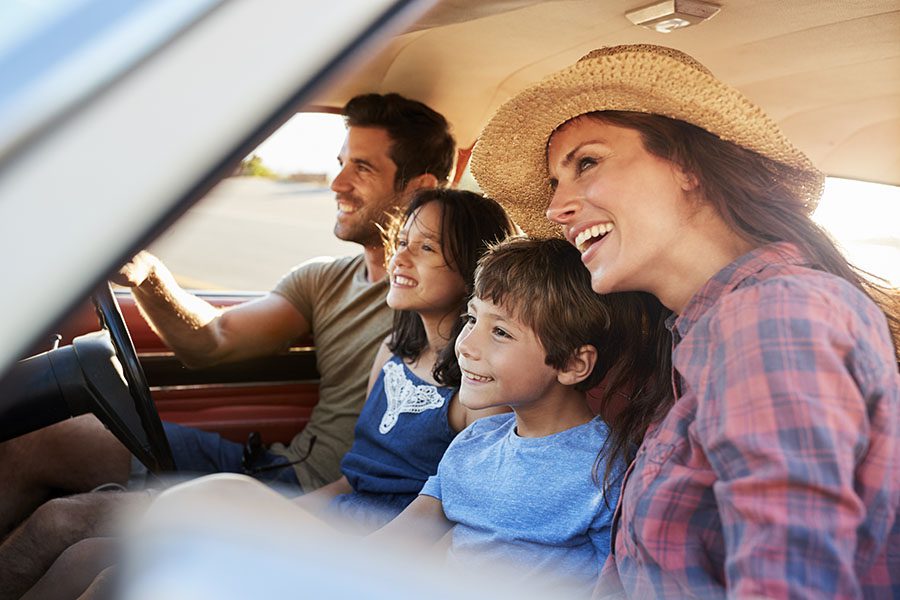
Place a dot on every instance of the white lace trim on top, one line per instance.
(403, 396)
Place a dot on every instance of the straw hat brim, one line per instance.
(509, 161)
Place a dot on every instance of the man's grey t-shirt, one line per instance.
(349, 320)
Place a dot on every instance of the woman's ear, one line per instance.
(687, 180)
(580, 366)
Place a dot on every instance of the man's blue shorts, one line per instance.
(198, 452)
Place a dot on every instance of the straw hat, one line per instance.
(510, 159)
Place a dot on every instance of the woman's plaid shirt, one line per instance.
(777, 471)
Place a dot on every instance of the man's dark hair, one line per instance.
(421, 137)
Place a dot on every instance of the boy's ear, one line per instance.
(579, 367)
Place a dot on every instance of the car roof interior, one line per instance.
(827, 71)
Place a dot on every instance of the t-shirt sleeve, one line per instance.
(300, 286)
(601, 527)
(783, 422)
(432, 486)
(600, 531)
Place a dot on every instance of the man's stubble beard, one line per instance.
(364, 230)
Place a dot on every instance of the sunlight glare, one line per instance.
(864, 218)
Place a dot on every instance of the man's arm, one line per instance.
(200, 334)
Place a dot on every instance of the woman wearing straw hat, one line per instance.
(774, 471)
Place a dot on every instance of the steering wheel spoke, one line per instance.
(110, 315)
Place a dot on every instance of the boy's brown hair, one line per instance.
(543, 284)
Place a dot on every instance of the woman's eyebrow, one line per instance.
(571, 155)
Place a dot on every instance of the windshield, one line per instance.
(54, 54)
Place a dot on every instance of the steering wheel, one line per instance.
(159, 458)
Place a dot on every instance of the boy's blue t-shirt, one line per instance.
(531, 502)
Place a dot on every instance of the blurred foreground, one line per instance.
(229, 537)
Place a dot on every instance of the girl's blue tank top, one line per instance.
(401, 434)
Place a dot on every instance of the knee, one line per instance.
(50, 516)
(75, 517)
(56, 519)
(75, 455)
(90, 555)
(103, 586)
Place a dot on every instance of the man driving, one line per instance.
(394, 146)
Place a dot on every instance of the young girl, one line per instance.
(776, 470)
(412, 411)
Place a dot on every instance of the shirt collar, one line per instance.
(729, 278)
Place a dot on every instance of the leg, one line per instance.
(27, 553)
(200, 452)
(102, 587)
(72, 456)
(75, 570)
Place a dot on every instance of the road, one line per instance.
(248, 232)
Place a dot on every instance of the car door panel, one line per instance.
(274, 396)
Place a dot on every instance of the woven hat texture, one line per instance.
(509, 160)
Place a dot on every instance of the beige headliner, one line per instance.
(828, 71)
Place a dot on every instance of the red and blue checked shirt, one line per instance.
(776, 473)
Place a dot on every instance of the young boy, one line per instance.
(521, 487)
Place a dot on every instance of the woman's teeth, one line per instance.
(597, 231)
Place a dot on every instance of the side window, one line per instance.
(275, 212)
(862, 217)
(278, 211)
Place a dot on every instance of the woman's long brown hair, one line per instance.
(751, 194)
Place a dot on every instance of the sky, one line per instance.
(864, 218)
(308, 142)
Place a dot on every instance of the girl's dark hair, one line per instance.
(544, 284)
(751, 194)
(469, 224)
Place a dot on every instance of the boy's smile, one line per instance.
(501, 359)
(475, 378)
